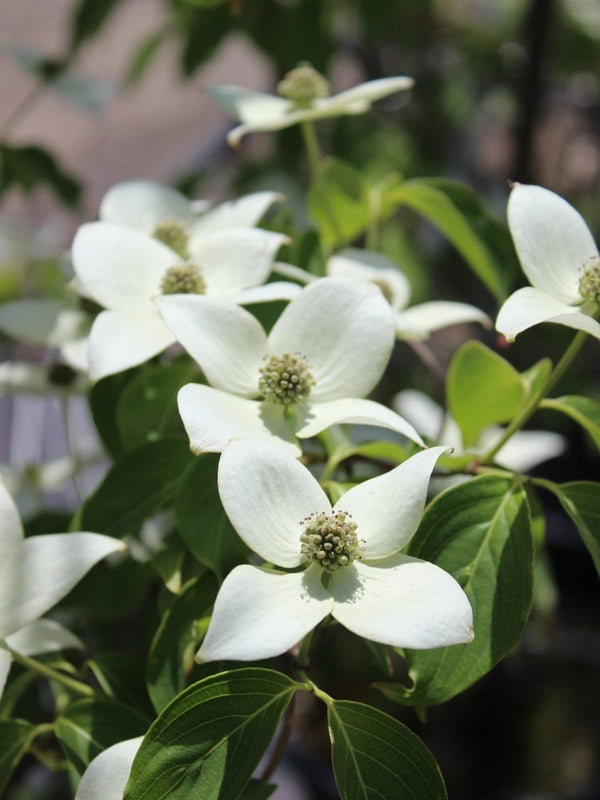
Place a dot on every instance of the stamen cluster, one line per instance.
(589, 283)
(302, 85)
(285, 379)
(174, 236)
(183, 279)
(330, 540)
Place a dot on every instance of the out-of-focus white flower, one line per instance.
(354, 570)
(151, 241)
(417, 322)
(35, 573)
(524, 450)
(326, 351)
(560, 258)
(303, 98)
(49, 322)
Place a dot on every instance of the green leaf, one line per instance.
(172, 652)
(462, 217)
(89, 726)
(119, 677)
(483, 389)
(15, 738)
(87, 19)
(209, 740)
(104, 397)
(581, 501)
(147, 406)
(257, 790)
(583, 410)
(28, 167)
(480, 533)
(338, 202)
(201, 519)
(202, 30)
(375, 757)
(139, 485)
(537, 375)
(144, 55)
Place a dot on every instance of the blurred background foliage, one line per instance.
(505, 90)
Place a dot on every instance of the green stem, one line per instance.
(47, 672)
(303, 657)
(534, 400)
(312, 145)
(23, 106)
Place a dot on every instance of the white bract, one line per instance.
(106, 776)
(524, 450)
(560, 258)
(149, 242)
(414, 323)
(49, 322)
(304, 100)
(35, 573)
(326, 351)
(354, 570)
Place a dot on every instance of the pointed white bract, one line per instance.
(341, 333)
(560, 259)
(273, 501)
(37, 572)
(523, 451)
(151, 240)
(259, 111)
(415, 323)
(106, 776)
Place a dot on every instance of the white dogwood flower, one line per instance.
(416, 322)
(326, 351)
(303, 97)
(560, 258)
(35, 573)
(353, 568)
(523, 451)
(150, 242)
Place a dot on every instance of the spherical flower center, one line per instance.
(330, 540)
(174, 236)
(589, 283)
(182, 279)
(285, 379)
(302, 85)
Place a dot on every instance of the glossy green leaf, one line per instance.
(581, 501)
(338, 202)
(147, 406)
(89, 726)
(209, 740)
(375, 757)
(461, 216)
(483, 389)
(480, 533)
(139, 485)
(178, 637)
(201, 519)
(584, 410)
(15, 738)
